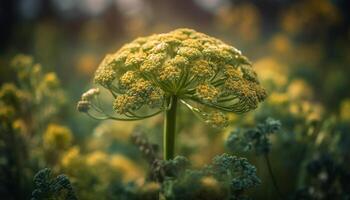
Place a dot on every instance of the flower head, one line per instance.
(193, 66)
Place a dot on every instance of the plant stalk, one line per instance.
(169, 129)
(274, 182)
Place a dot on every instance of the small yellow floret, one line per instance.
(207, 92)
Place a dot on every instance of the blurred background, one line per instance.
(309, 38)
(300, 50)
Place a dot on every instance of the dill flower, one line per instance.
(185, 63)
(207, 92)
(152, 74)
(217, 119)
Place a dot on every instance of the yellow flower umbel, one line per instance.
(152, 74)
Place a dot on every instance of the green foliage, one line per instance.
(328, 179)
(253, 138)
(227, 177)
(49, 188)
(175, 167)
(131, 191)
(238, 171)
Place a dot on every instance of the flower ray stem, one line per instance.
(169, 130)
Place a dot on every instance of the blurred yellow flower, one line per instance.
(86, 64)
(150, 186)
(271, 72)
(72, 159)
(19, 126)
(243, 20)
(57, 137)
(21, 61)
(299, 89)
(7, 113)
(281, 44)
(278, 98)
(51, 80)
(307, 109)
(129, 169)
(345, 110)
(303, 15)
(97, 159)
(316, 112)
(210, 182)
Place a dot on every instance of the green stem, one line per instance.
(274, 182)
(169, 130)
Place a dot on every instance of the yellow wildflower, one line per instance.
(57, 137)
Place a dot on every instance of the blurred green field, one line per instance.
(300, 134)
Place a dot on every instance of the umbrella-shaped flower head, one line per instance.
(151, 74)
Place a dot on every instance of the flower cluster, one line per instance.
(195, 67)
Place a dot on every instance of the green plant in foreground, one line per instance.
(258, 139)
(227, 177)
(52, 188)
(153, 74)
